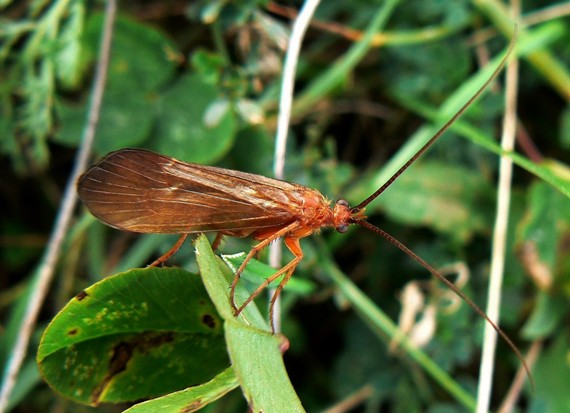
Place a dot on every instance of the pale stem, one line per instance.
(499, 239)
(298, 30)
(46, 269)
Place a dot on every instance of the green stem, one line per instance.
(381, 324)
(218, 38)
(542, 60)
(420, 36)
(545, 171)
(339, 69)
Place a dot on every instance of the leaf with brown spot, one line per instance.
(141, 334)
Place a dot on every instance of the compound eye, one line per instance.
(342, 228)
(342, 202)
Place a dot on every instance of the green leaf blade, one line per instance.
(138, 334)
(255, 352)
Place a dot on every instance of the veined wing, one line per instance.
(141, 191)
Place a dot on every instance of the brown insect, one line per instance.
(141, 191)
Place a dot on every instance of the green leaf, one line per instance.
(255, 353)
(257, 272)
(258, 363)
(448, 198)
(126, 119)
(208, 65)
(36, 111)
(183, 130)
(546, 220)
(146, 67)
(135, 77)
(217, 278)
(68, 58)
(546, 316)
(426, 70)
(254, 151)
(138, 334)
(192, 399)
(552, 378)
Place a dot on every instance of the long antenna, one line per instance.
(409, 252)
(443, 128)
(449, 284)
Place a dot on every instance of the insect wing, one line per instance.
(141, 191)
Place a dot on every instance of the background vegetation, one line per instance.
(200, 81)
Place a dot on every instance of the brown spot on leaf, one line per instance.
(123, 352)
(73, 332)
(192, 407)
(148, 341)
(81, 295)
(209, 321)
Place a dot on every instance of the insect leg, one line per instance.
(295, 248)
(164, 257)
(255, 250)
(217, 241)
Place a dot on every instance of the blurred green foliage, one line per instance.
(200, 81)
